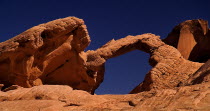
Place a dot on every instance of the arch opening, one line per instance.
(124, 73)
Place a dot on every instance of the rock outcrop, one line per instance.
(202, 75)
(53, 53)
(170, 68)
(64, 98)
(49, 56)
(192, 39)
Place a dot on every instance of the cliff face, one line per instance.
(53, 53)
(192, 39)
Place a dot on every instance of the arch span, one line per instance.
(165, 60)
(53, 53)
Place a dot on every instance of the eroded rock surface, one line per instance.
(170, 68)
(64, 98)
(192, 39)
(202, 75)
(53, 53)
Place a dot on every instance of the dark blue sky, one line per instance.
(105, 20)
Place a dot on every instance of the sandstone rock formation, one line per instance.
(202, 75)
(192, 39)
(53, 53)
(64, 98)
(170, 68)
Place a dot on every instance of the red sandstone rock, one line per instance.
(63, 98)
(53, 53)
(202, 75)
(170, 68)
(192, 39)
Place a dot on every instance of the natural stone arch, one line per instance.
(53, 53)
(165, 60)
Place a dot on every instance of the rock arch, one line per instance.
(166, 61)
(53, 53)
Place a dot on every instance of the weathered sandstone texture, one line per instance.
(170, 68)
(46, 68)
(202, 75)
(64, 98)
(53, 53)
(192, 39)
